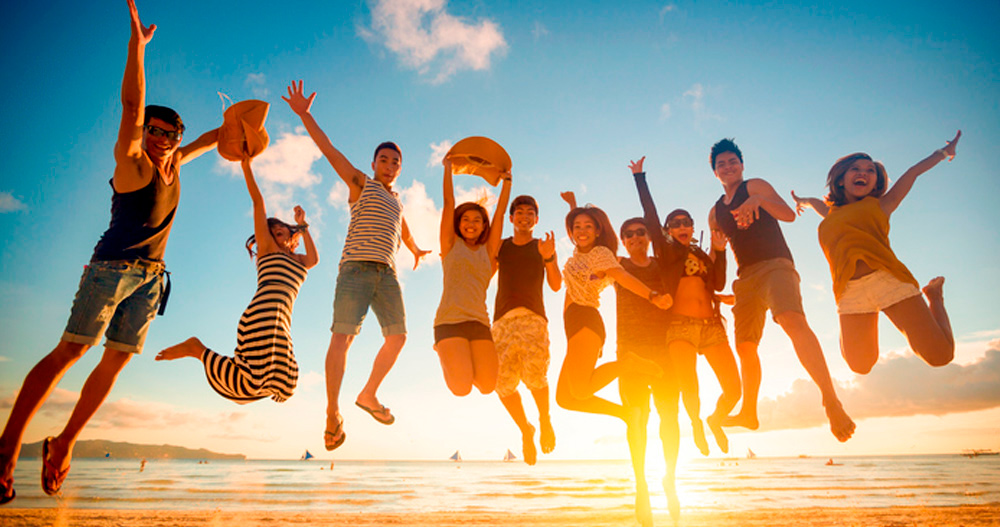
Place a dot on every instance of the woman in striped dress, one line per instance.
(263, 365)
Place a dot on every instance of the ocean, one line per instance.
(420, 486)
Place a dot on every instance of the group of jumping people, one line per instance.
(668, 302)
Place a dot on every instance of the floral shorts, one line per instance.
(521, 338)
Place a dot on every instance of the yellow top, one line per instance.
(859, 231)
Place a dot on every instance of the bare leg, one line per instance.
(720, 358)
(95, 391)
(514, 407)
(684, 357)
(811, 356)
(635, 390)
(384, 361)
(35, 389)
(191, 347)
(455, 355)
(578, 380)
(485, 365)
(336, 358)
(666, 395)
(859, 341)
(750, 371)
(926, 327)
(547, 440)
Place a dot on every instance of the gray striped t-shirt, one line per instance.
(376, 226)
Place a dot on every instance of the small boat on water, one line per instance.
(456, 456)
(976, 452)
(509, 456)
(306, 456)
(750, 454)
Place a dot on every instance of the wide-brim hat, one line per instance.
(479, 156)
(242, 131)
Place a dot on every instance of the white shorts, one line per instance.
(873, 293)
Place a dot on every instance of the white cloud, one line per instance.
(426, 37)
(284, 174)
(669, 8)
(8, 203)
(258, 85)
(539, 30)
(438, 151)
(695, 97)
(339, 194)
(665, 111)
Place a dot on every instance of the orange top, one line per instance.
(859, 231)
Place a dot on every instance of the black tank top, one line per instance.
(522, 274)
(640, 323)
(140, 221)
(761, 241)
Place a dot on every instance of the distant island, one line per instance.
(100, 448)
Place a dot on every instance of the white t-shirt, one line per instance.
(586, 275)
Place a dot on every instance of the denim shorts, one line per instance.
(120, 295)
(874, 292)
(361, 285)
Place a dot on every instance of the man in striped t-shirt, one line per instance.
(367, 276)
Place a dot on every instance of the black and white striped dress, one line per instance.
(264, 364)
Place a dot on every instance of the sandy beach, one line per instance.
(964, 516)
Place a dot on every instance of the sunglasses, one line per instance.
(680, 222)
(156, 131)
(634, 232)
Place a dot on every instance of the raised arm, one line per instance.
(649, 214)
(129, 144)
(300, 104)
(447, 233)
(547, 250)
(261, 231)
(311, 257)
(902, 187)
(496, 226)
(762, 194)
(815, 204)
(204, 143)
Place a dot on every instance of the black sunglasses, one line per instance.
(634, 232)
(680, 222)
(156, 131)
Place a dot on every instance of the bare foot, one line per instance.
(698, 431)
(191, 347)
(840, 423)
(673, 504)
(715, 425)
(528, 445)
(548, 436)
(633, 363)
(934, 288)
(643, 512)
(746, 420)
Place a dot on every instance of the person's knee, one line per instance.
(940, 354)
(339, 343)
(68, 352)
(792, 322)
(395, 342)
(564, 397)
(115, 359)
(861, 365)
(459, 387)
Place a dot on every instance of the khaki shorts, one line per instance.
(521, 338)
(874, 292)
(772, 284)
(702, 333)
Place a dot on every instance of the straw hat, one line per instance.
(479, 156)
(242, 131)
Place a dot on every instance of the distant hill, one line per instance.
(99, 448)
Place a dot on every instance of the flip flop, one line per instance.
(4, 498)
(331, 443)
(52, 477)
(380, 410)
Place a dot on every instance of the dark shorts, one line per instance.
(120, 295)
(471, 330)
(577, 317)
(702, 333)
(772, 284)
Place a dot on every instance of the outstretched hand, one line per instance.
(141, 32)
(569, 197)
(417, 255)
(800, 203)
(300, 215)
(719, 240)
(663, 301)
(636, 166)
(748, 212)
(297, 100)
(949, 149)
(547, 246)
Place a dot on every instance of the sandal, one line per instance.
(52, 477)
(329, 438)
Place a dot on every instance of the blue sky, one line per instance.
(573, 90)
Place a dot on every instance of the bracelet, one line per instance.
(302, 226)
(653, 294)
(550, 259)
(944, 153)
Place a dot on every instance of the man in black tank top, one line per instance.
(748, 215)
(120, 289)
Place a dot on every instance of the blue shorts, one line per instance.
(120, 295)
(364, 284)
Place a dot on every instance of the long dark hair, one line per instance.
(466, 207)
(293, 231)
(606, 237)
(835, 179)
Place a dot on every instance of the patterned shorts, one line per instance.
(699, 332)
(521, 338)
